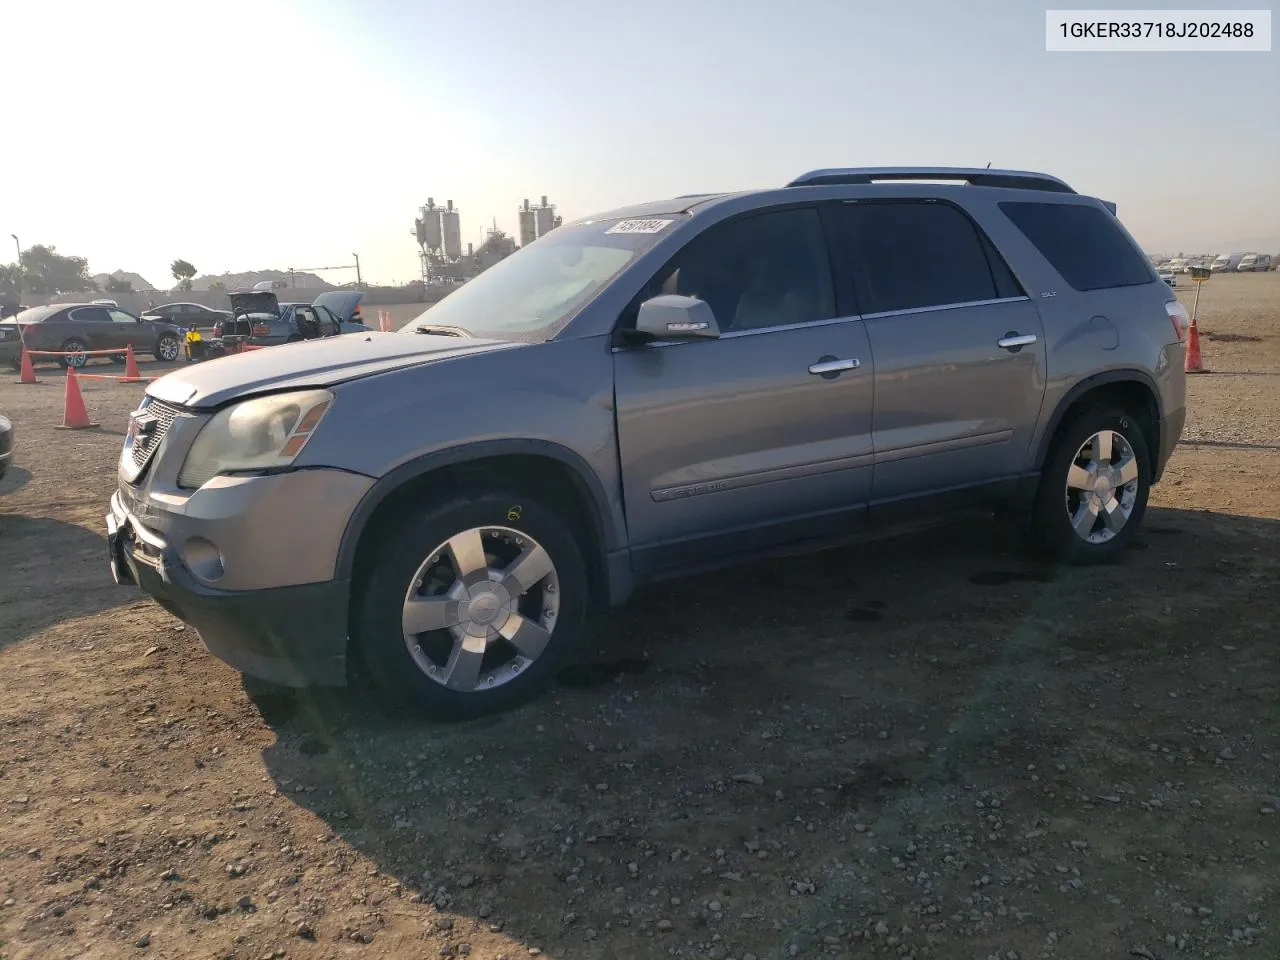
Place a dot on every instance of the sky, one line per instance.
(293, 133)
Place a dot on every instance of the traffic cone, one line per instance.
(131, 374)
(74, 415)
(27, 371)
(1193, 363)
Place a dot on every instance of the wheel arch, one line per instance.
(553, 472)
(1133, 391)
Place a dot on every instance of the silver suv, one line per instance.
(667, 387)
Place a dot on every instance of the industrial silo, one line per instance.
(544, 217)
(528, 225)
(451, 227)
(430, 231)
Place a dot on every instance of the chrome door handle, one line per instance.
(833, 366)
(1016, 341)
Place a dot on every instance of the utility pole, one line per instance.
(359, 282)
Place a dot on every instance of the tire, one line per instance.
(167, 348)
(293, 338)
(73, 345)
(1070, 490)
(511, 525)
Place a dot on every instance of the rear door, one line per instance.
(93, 326)
(761, 437)
(959, 351)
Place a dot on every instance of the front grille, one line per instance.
(144, 444)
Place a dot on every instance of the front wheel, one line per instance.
(1094, 487)
(472, 606)
(167, 348)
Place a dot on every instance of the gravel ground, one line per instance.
(930, 748)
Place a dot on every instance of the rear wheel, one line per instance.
(74, 356)
(473, 606)
(167, 348)
(1094, 488)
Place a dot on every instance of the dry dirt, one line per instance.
(925, 748)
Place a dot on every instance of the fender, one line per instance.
(588, 484)
(1084, 386)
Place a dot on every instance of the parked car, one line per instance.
(78, 327)
(328, 315)
(186, 314)
(1225, 262)
(6, 443)
(664, 388)
(1254, 263)
(1168, 276)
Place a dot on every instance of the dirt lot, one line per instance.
(929, 748)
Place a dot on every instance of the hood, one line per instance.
(258, 301)
(342, 303)
(312, 363)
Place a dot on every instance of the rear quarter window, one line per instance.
(1083, 243)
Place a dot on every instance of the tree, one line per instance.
(217, 286)
(45, 271)
(10, 274)
(119, 285)
(182, 271)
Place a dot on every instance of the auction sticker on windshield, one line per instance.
(639, 226)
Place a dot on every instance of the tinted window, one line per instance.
(761, 271)
(35, 314)
(91, 314)
(917, 255)
(1083, 243)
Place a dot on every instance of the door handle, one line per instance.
(823, 367)
(1015, 341)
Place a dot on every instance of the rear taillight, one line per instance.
(261, 329)
(1178, 317)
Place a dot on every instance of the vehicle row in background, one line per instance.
(266, 321)
(77, 328)
(1222, 263)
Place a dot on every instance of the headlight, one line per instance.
(256, 434)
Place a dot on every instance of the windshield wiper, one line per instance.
(442, 331)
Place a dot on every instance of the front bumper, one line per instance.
(291, 635)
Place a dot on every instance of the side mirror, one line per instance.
(673, 317)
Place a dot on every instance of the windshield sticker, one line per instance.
(639, 226)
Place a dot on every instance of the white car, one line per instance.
(1167, 275)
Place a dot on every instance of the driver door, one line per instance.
(761, 437)
(129, 331)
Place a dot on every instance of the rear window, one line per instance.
(33, 315)
(1083, 243)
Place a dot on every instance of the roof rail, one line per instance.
(977, 176)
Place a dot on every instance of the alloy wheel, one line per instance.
(1102, 486)
(481, 608)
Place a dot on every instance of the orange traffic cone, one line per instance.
(131, 374)
(27, 371)
(74, 415)
(1193, 363)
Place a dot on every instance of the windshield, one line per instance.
(533, 293)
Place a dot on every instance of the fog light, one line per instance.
(203, 558)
